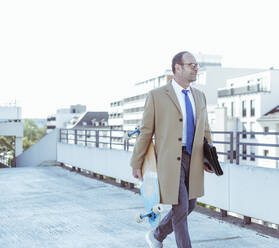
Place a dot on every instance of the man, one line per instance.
(176, 114)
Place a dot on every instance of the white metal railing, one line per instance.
(246, 190)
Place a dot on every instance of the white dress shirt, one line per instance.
(181, 99)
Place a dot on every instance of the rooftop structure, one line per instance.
(92, 120)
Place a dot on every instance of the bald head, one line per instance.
(185, 68)
(178, 59)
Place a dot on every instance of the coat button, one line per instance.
(179, 139)
(178, 158)
(180, 119)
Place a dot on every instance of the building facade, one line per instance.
(11, 125)
(246, 100)
(65, 118)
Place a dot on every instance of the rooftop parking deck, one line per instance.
(51, 207)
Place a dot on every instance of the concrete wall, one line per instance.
(10, 113)
(11, 129)
(44, 150)
(246, 190)
(243, 189)
(112, 163)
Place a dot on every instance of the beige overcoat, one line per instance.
(162, 117)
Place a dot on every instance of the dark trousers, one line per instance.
(176, 219)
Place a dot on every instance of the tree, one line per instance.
(32, 133)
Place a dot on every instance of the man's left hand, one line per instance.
(206, 169)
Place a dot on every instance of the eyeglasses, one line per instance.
(193, 65)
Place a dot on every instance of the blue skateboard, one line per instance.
(149, 187)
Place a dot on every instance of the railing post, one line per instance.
(122, 183)
(97, 138)
(231, 147)
(131, 185)
(60, 134)
(247, 220)
(67, 136)
(224, 213)
(85, 139)
(75, 136)
(124, 144)
(237, 147)
(127, 144)
(110, 138)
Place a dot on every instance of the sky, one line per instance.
(54, 54)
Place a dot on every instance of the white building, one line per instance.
(115, 120)
(246, 99)
(133, 106)
(127, 113)
(11, 125)
(270, 120)
(65, 118)
(270, 124)
(211, 78)
(51, 123)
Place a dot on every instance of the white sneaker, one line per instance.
(151, 241)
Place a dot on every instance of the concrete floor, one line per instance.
(53, 207)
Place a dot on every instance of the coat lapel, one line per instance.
(171, 93)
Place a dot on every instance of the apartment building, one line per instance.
(66, 117)
(247, 99)
(115, 120)
(127, 113)
(11, 125)
(270, 124)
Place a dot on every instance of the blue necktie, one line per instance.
(190, 123)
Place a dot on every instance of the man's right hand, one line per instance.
(137, 174)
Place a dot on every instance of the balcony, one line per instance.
(241, 90)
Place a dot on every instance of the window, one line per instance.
(252, 129)
(232, 109)
(244, 152)
(244, 130)
(266, 152)
(252, 107)
(266, 129)
(243, 108)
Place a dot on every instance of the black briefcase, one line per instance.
(211, 158)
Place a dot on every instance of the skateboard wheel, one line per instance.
(138, 218)
(157, 209)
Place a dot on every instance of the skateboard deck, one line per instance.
(149, 187)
